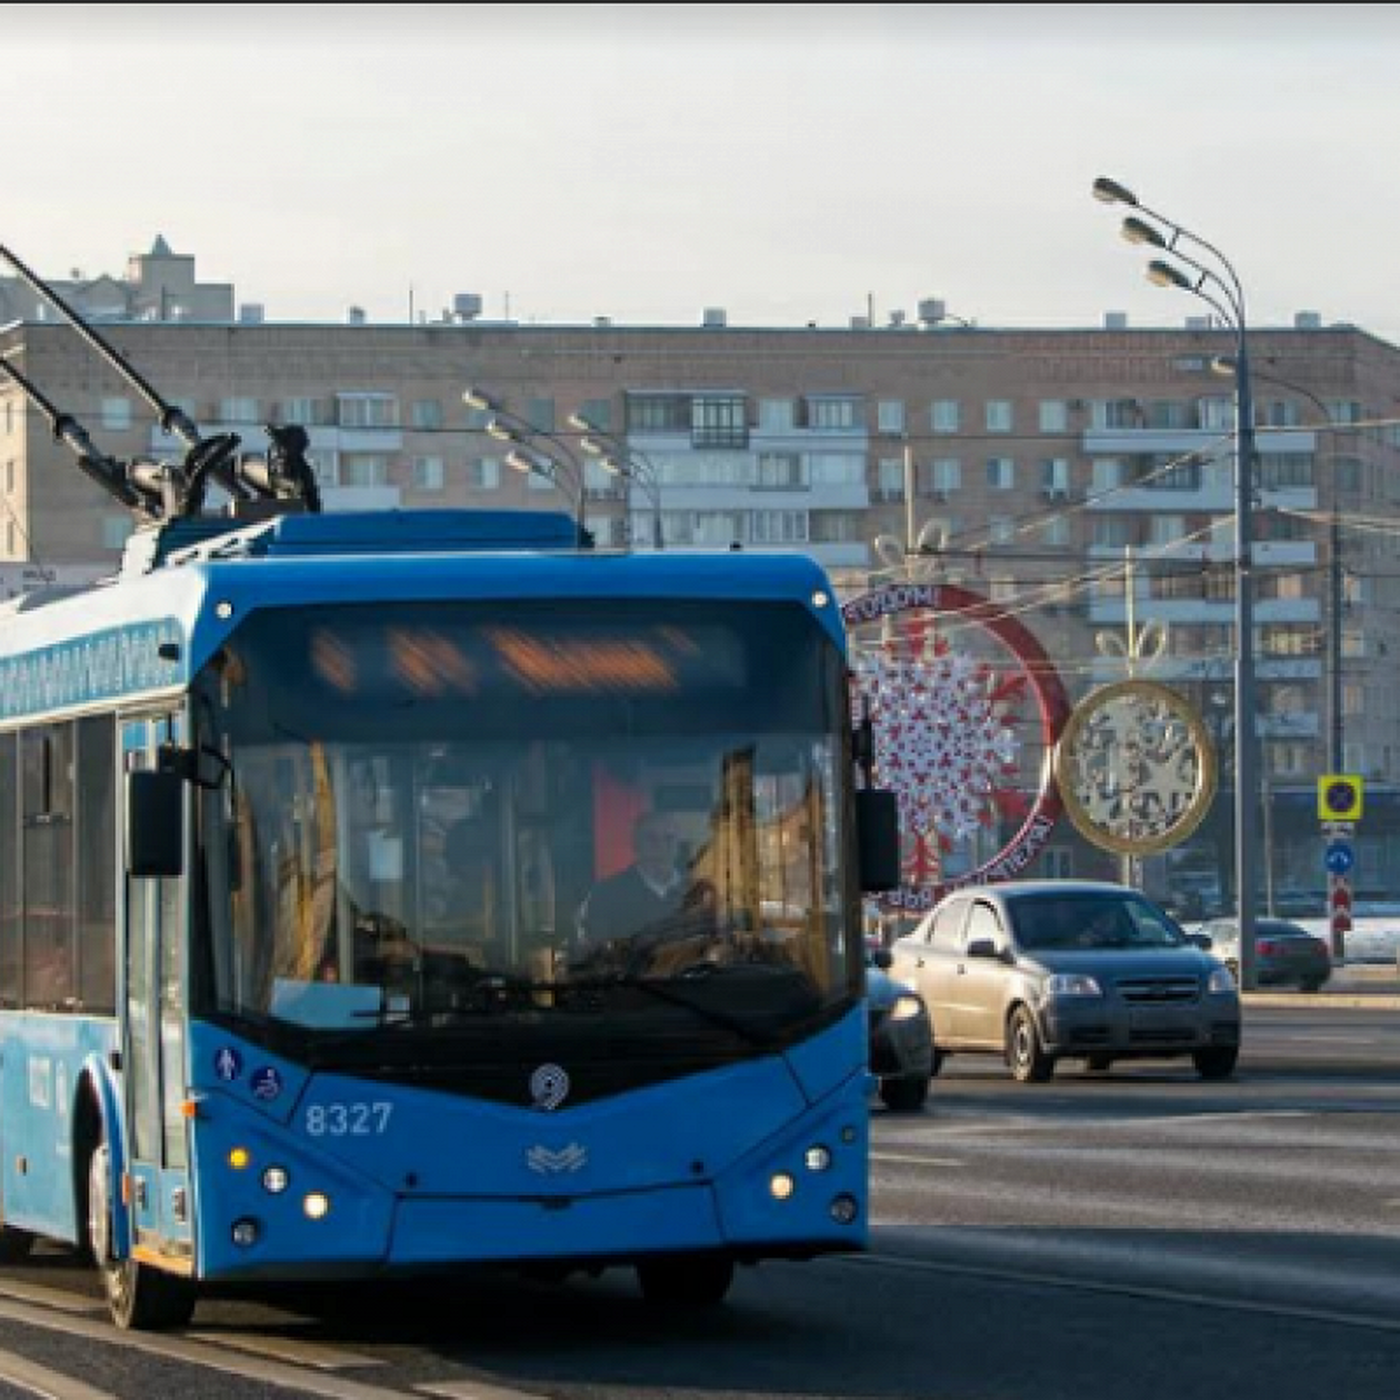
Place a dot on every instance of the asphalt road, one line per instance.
(1138, 1234)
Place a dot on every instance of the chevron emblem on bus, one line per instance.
(572, 1158)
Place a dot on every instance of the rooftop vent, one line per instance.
(715, 317)
(1308, 321)
(1200, 323)
(1115, 320)
(355, 316)
(602, 322)
(932, 310)
(466, 306)
(251, 313)
(860, 323)
(896, 319)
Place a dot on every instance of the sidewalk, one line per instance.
(1373, 986)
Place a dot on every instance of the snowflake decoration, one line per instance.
(944, 741)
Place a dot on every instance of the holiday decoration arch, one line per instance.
(941, 737)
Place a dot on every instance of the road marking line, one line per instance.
(475, 1390)
(53, 1385)
(322, 1357)
(296, 1379)
(914, 1161)
(1132, 1290)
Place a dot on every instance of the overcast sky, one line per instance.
(790, 163)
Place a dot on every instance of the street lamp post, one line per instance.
(618, 457)
(1336, 730)
(535, 451)
(1219, 287)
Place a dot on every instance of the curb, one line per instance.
(1364, 1001)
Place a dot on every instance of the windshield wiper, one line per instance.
(663, 989)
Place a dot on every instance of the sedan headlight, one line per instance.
(905, 1007)
(1072, 984)
(1221, 981)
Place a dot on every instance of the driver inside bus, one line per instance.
(649, 891)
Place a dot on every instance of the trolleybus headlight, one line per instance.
(239, 1158)
(276, 1180)
(782, 1186)
(844, 1209)
(317, 1205)
(818, 1158)
(245, 1233)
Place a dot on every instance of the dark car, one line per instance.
(1285, 955)
(901, 1037)
(1043, 970)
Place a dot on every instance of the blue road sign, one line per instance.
(1339, 858)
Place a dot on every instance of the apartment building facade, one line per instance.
(1083, 478)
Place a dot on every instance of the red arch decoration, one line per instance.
(1052, 704)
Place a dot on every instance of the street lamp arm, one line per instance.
(619, 457)
(560, 464)
(1109, 191)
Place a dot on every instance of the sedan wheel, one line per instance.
(1024, 1052)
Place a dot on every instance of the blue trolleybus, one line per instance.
(299, 819)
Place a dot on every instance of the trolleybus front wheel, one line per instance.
(140, 1297)
(686, 1280)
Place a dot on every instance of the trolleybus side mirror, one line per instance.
(155, 819)
(877, 831)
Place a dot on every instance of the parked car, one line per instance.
(1045, 970)
(901, 1037)
(1285, 955)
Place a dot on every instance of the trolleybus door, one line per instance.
(154, 1034)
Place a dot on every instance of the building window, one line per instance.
(364, 469)
(1216, 414)
(998, 416)
(1108, 474)
(658, 413)
(940, 477)
(597, 412)
(777, 415)
(1054, 476)
(426, 413)
(367, 410)
(1001, 474)
(778, 527)
(946, 416)
(889, 416)
(780, 471)
(1055, 532)
(307, 413)
(836, 469)
(719, 421)
(238, 410)
(832, 414)
(116, 413)
(10, 477)
(1054, 416)
(483, 473)
(428, 473)
(1112, 532)
(1166, 529)
(1001, 529)
(889, 477)
(837, 526)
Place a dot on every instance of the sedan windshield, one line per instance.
(435, 817)
(1067, 922)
